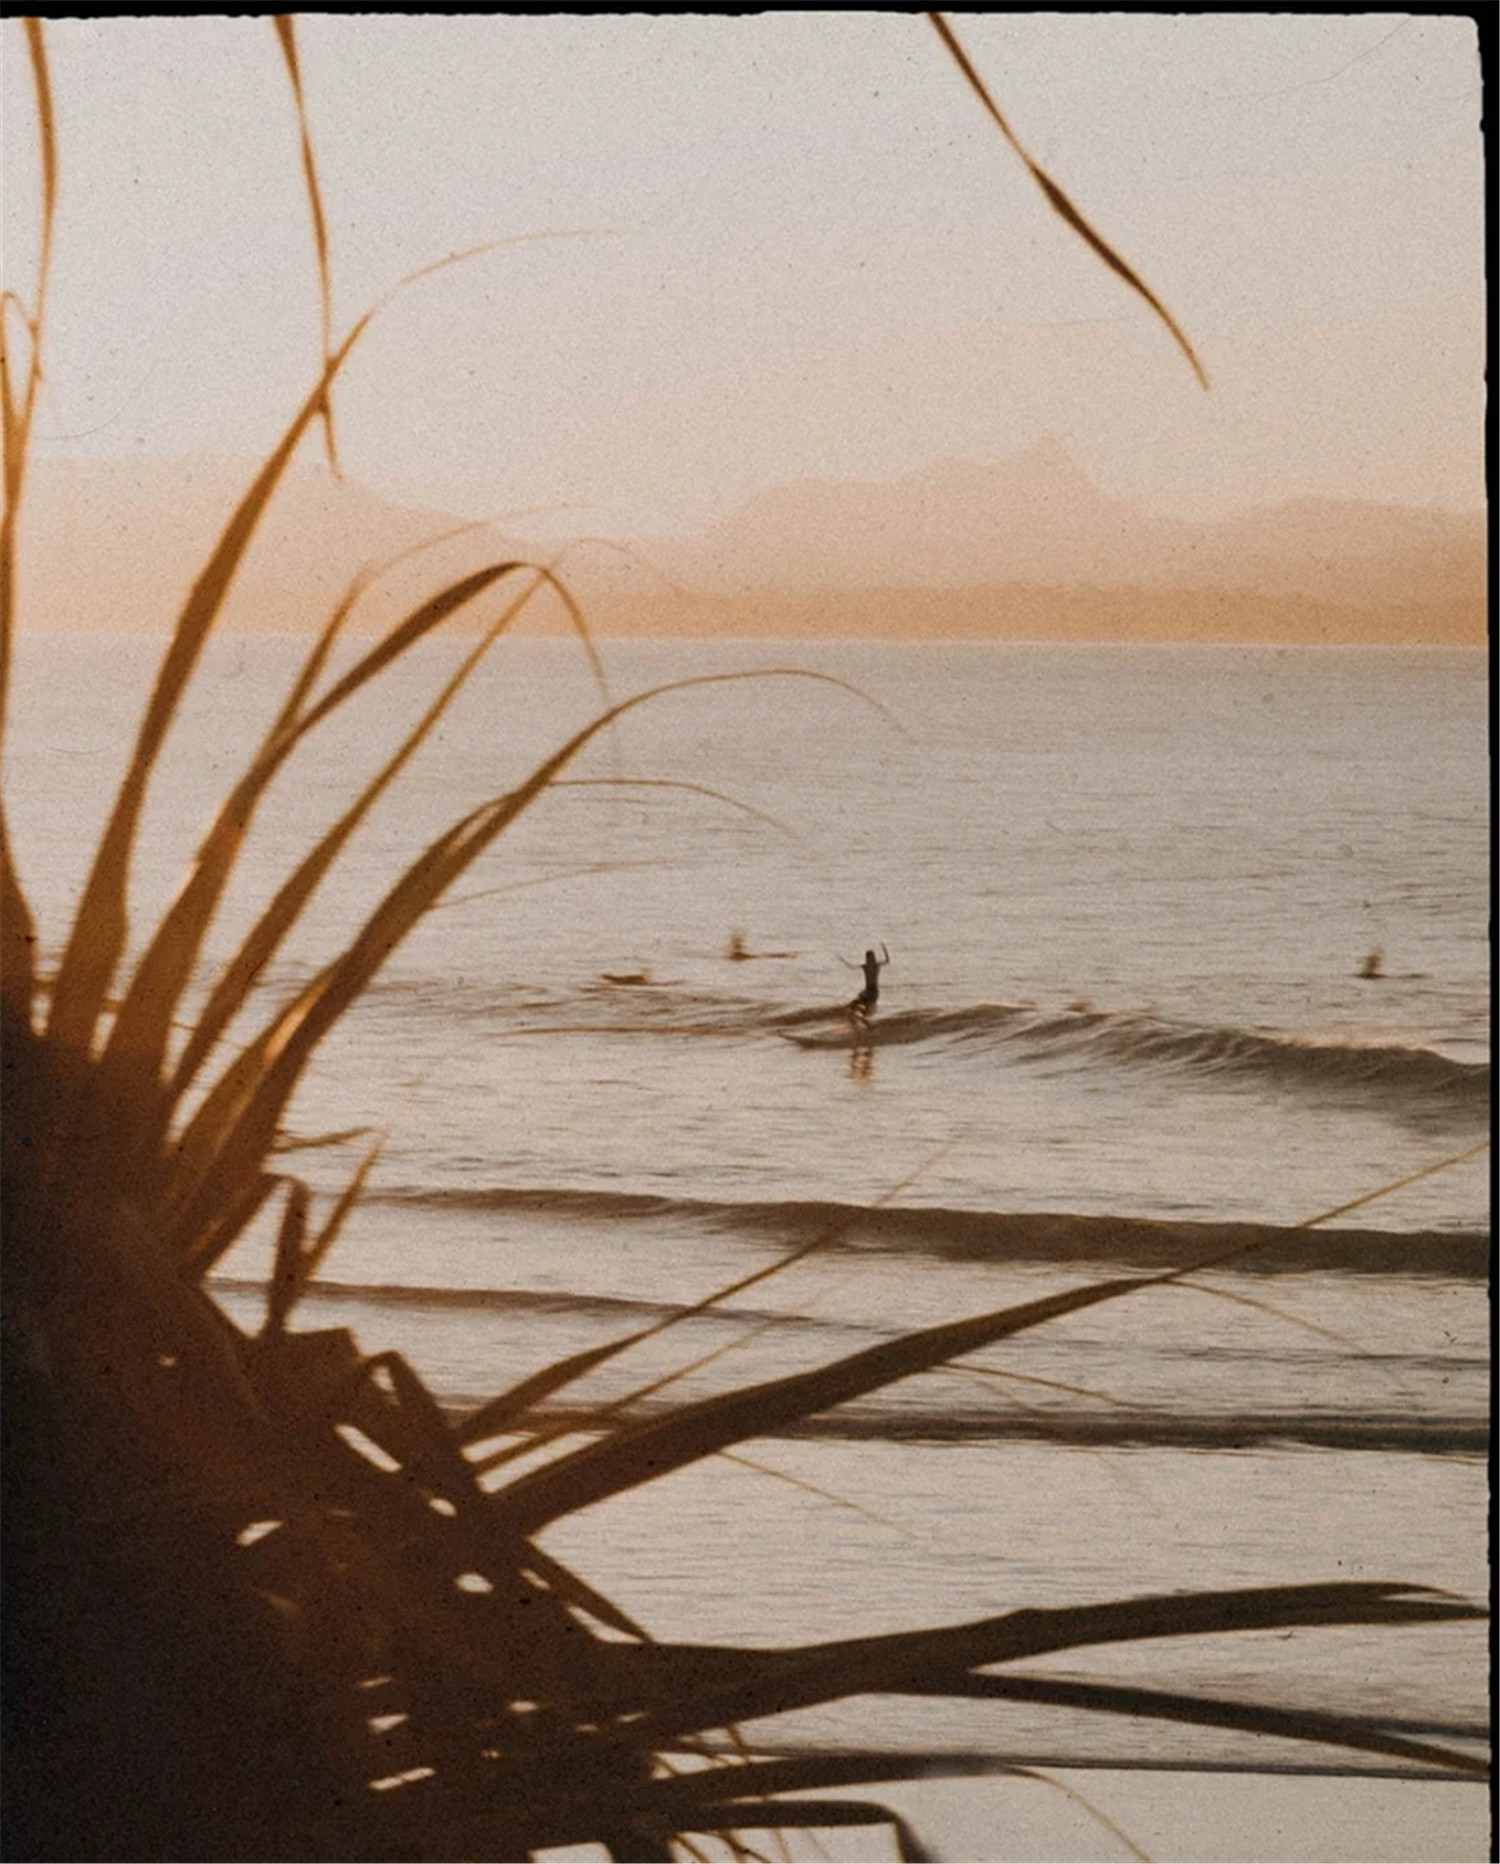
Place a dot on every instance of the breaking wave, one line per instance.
(1087, 1037)
(1402, 1079)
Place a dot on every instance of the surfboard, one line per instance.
(855, 1031)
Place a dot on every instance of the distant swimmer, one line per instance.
(738, 952)
(1372, 965)
(863, 1006)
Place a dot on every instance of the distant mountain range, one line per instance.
(1026, 548)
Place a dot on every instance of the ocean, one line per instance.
(1186, 945)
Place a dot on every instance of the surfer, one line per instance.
(863, 1006)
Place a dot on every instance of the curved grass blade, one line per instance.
(140, 1032)
(265, 938)
(816, 1815)
(1276, 1313)
(581, 628)
(1006, 1377)
(709, 1687)
(577, 1593)
(742, 1796)
(614, 1812)
(658, 1446)
(17, 413)
(18, 936)
(287, 39)
(508, 1411)
(140, 1035)
(811, 1488)
(690, 789)
(99, 928)
(1059, 202)
(871, 1767)
(296, 1262)
(338, 1216)
(239, 978)
(599, 1417)
(1215, 1712)
(504, 1413)
(546, 880)
(138, 1039)
(238, 1122)
(1088, 1807)
(1060, 1430)
(291, 1239)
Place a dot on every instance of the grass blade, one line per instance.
(1212, 1712)
(18, 412)
(580, 1595)
(814, 1815)
(17, 941)
(136, 1049)
(717, 1686)
(811, 1488)
(688, 789)
(137, 1045)
(338, 1216)
(287, 39)
(296, 1261)
(265, 937)
(100, 928)
(657, 1447)
(509, 1410)
(290, 1240)
(1088, 1807)
(496, 1417)
(1059, 202)
(237, 1124)
(18, 936)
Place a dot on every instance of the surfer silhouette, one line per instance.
(862, 1007)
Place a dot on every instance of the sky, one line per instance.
(780, 247)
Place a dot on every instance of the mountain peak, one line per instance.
(1041, 480)
(954, 520)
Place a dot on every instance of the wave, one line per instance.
(1430, 1436)
(1071, 1427)
(1083, 1036)
(533, 1301)
(988, 1235)
(915, 1420)
(1403, 1078)
(734, 1317)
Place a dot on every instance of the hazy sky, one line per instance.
(813, 256)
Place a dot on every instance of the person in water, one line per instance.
(863, 1006)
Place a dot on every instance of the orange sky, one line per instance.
(810, 255)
